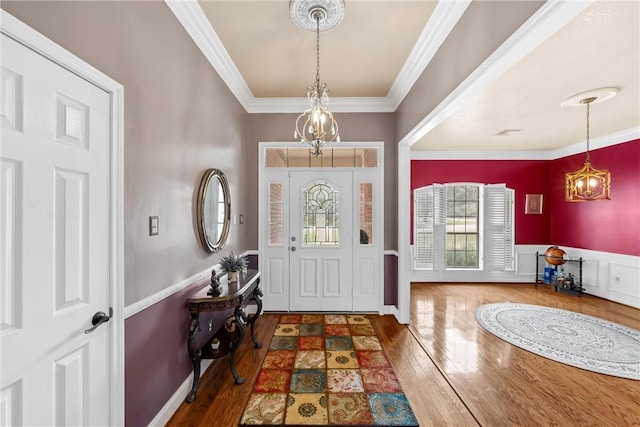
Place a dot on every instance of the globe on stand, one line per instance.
(554, 255)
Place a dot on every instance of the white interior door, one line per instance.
(321, 240)
(55, 213)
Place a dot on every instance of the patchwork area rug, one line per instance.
(565, 336)
(325, 369)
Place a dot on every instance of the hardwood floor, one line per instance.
(453, 371)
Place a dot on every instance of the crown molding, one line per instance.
(615, 138)
(480, 155)
(445, 16)
(195, 22)
(338, 105)
(551, 17)
(604, 141)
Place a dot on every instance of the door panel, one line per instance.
(55, 254)
(321, 241)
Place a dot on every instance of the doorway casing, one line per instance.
(274, 256)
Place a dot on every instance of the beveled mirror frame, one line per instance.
(209, 178)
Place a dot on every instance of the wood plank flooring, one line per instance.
(453, 371)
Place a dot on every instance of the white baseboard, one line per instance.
(388, 309)
(604, 274)
(172, 405)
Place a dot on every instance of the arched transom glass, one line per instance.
(320, 215)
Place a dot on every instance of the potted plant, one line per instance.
(233, 264)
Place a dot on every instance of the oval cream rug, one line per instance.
(565, 336)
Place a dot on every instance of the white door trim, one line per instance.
(403, 313)
(22, 33)
(273, 276)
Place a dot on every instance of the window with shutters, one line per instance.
(463, 226)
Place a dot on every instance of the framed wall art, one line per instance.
(533, 204)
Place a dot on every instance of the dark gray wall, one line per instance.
(180, 119)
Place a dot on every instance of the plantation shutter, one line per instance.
(439, 227)
(498, 228)
(430, 220)
(423, 227)
(509, 227)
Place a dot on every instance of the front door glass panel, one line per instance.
(320, 215)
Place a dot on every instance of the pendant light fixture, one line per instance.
(588, 183)
(316, 126)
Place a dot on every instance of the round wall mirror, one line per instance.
(214, 210)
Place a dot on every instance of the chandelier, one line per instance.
(316, 126)
(588, 183)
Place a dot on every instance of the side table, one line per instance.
(228, 333)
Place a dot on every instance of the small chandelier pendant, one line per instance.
(316, 126)
(588, 183)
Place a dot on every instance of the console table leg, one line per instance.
(196, 382)
(257, 297)
(239, 316)
(236, 376)
(195, 357)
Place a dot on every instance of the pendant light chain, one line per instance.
(317, 16)
(588, 157)
(588, 102)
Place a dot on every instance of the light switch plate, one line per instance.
(153, 226)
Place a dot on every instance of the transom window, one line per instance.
(298, 157)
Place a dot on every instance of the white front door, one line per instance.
(321, 240)
(55, 222)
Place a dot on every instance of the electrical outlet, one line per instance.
(241, 218)
(210, 325)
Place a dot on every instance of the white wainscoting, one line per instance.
(615, 277)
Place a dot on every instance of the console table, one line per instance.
(224, 332)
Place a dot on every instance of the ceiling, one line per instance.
(372, 59)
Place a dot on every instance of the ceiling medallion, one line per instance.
(302, 13)
(599, 95)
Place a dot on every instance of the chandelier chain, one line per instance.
(317, 16)
(588, 105)
(588, 102)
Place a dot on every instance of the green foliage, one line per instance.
(233, 262)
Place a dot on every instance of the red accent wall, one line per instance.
(608, 225)
(524, 176)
